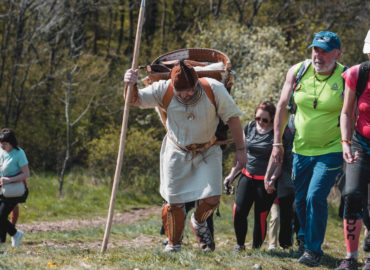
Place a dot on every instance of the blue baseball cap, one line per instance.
(326, 40)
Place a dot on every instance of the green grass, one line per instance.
(137, 245)
(81, 198)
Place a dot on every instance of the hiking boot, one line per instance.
(238, 248)
(300, 251)
(367, 264)
(348, 264)
(16, 239)
(310, 258)
(171, 248)
(366, 244)
(203, 234)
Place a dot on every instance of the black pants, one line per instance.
(251, 191)
(6, 206)
(286, 219)
(5, 225)
(357, 183)
(365, 213)
(296, 225)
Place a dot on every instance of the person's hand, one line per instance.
(131, 76)
(228, 181)
(270, 186)
(4, 180)
(277, 154)
(347, 154)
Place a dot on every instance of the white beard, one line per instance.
(324, 69)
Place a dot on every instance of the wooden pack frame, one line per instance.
(160, 68)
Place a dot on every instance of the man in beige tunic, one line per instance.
(191, 160)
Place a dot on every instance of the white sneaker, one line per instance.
(171, 248)
(272, 247)
(16, 239)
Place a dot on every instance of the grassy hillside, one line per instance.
(82, 197)
(134, 245)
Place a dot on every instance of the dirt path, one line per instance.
(129, 217)
(73, 224)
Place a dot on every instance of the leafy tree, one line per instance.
(257, 56)
(48, 47)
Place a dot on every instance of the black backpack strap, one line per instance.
(302, 70)
(344, 82)
(363, 77)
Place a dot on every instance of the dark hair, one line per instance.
(8, 135)
(268, 107)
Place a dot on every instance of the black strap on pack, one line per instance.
(291, 107)
(344, 82)
(363, 77)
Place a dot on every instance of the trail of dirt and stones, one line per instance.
(126, 218)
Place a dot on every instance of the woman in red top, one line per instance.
(356, 153)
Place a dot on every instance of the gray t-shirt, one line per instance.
(259, 147)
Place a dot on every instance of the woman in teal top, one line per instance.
(13, 168)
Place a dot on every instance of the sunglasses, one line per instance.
(264, 120)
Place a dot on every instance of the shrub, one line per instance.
(140, 168)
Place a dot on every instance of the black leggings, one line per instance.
(251, 191)
(5, 225)
(357, 183)
(286, 219)
(6, 206)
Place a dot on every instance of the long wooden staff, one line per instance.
(123, 130)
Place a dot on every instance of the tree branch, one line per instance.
(84, 112)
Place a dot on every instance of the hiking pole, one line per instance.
(123, 130)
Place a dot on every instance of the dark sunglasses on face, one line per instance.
(264, 120)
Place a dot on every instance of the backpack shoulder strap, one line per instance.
(363, 77)
(344, 82)
(207, 88)
(301, 71)
(162, 111)
(167, 96)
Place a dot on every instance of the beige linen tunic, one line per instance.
(184, 179)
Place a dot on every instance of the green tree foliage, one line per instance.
(140, 165)
(257, 56)
(42, 41)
